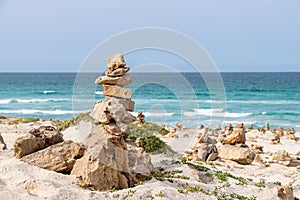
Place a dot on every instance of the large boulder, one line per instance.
(2, 143)
(37, 139)
(240, 154)
(105, 165)
(60, 157)
(207, 152)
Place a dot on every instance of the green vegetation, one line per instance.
(62, 125)
(198, 167)
(163, 131)
(159, 194)
(2, 117)
(261, 183)
(193, 189)
(277, 183)
(161, 176)
(24, 120)
(131, 192)
(138, 183)
(145, 133)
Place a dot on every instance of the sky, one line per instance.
(239, 36)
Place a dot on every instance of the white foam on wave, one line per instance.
(154, 114)
(49, 92)
(263, 113)
(48, 112)
(226, 101)
(39, 100)
(99, 92)
(215, 113)
(5, 101)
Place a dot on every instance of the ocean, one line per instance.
(252, 98)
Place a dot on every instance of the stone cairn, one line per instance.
(111, 162)
(233, 145)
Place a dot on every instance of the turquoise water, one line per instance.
(254, 98)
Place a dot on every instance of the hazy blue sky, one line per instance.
(240, 35)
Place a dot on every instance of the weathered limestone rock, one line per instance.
(60, 157)
(37, 139)
(285, 193)
(139, 162)
(105, 165)
(257, 148)
(236, 137)
(204, 149)
(117, 72)
(116, 61)
(290, 134)
(284, 158)
(116, 91)
(275, 140)
(111, 111)
(120, 80)
(2, 143)
(127, 103)
(240, 154)
(109, 161)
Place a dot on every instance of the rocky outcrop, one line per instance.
(283, 157)
(204, 149)
(110, 162)
(2, 143)
(290, 134)
(236, 137)
(240, 154)
(60, 157)
(37, 139)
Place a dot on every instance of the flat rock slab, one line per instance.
(241, 155)
(116, 91)
(60, 157)
(127, 103)
(119, 80)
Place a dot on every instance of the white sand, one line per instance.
(19, 180)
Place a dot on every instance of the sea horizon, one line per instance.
(251, 97)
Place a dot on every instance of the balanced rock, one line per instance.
(116, 91)
(110, 162)
(116, 61)
(236, 137)
(111, 111)
(120, 80)
(240, 154)
(60, 157)
(140, 117)
(2, 143)
(37, 139)
(290, 134)
(117, 72)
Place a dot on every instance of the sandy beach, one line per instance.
(20, 180)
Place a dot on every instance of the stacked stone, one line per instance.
(114, 81)
(111, 162)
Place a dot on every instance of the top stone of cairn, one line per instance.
(116, 66)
